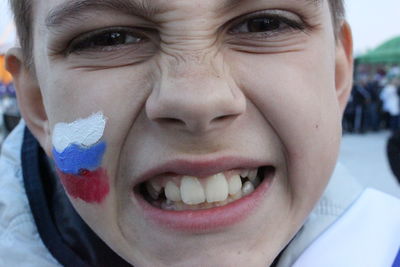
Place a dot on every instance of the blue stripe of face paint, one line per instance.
(75, 158)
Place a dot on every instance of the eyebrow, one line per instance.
(73, 9)
(142, 8)
(229, 4)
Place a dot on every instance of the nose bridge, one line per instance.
(191, 65)
(195, 92)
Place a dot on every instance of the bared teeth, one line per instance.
(156, 186)
(237, 196)
(216, 188)
(244, 173)
(192, 191)
(172, 191)
(252, 174)
(153, 191)
(247, 188)
(188, 192)
(168, 205)
(235, 184)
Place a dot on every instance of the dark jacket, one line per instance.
(393, 153)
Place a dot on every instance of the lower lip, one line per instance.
(209, 219)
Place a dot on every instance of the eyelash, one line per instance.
(287, 23)
(87, 41)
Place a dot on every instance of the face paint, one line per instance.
(76, 158)
(78, 153)
(83, 132)
(90, 186)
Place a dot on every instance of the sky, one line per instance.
(373, 22)
(7, 29)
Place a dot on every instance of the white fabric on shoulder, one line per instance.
(20, 243)
(342, 191)
(367, 235)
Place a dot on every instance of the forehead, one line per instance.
(160, 4)
(56, 10)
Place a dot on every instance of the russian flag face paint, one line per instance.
(78, 152)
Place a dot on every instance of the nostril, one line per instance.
(170, 121)
(223, 119)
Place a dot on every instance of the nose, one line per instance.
(195, 98)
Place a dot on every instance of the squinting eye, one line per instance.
(104, 40)
(267, 24)
(262, 24)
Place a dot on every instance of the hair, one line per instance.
(23, 18)
(338, 13)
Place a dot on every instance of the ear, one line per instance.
(29, 98)
(344, 65)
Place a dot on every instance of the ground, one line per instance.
(364, 155)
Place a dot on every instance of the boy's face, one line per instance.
(192, 88)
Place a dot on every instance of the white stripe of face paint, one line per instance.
(85, 132)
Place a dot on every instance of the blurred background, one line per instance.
(371, 123)
(371, 141)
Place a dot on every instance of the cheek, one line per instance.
(81, 174)
(89, 186)
(78, 154)
(294, 91)
(297, 98)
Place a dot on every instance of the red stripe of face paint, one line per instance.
(90, 186)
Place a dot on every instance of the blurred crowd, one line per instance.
(374, 103)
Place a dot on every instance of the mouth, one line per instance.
(183, 192)
(186, 202)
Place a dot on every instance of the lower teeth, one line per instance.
(247, 188)
(177, 206)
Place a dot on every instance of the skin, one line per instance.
(193, 92)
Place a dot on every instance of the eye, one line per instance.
(106, 40)
(268, 23)
(262, 24)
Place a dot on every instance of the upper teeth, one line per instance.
(215, 188)
(252, 174)
(191, 191)
(172, 191)
(235, 184)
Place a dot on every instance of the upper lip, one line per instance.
(200, 167)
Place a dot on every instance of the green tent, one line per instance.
(388, 52)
